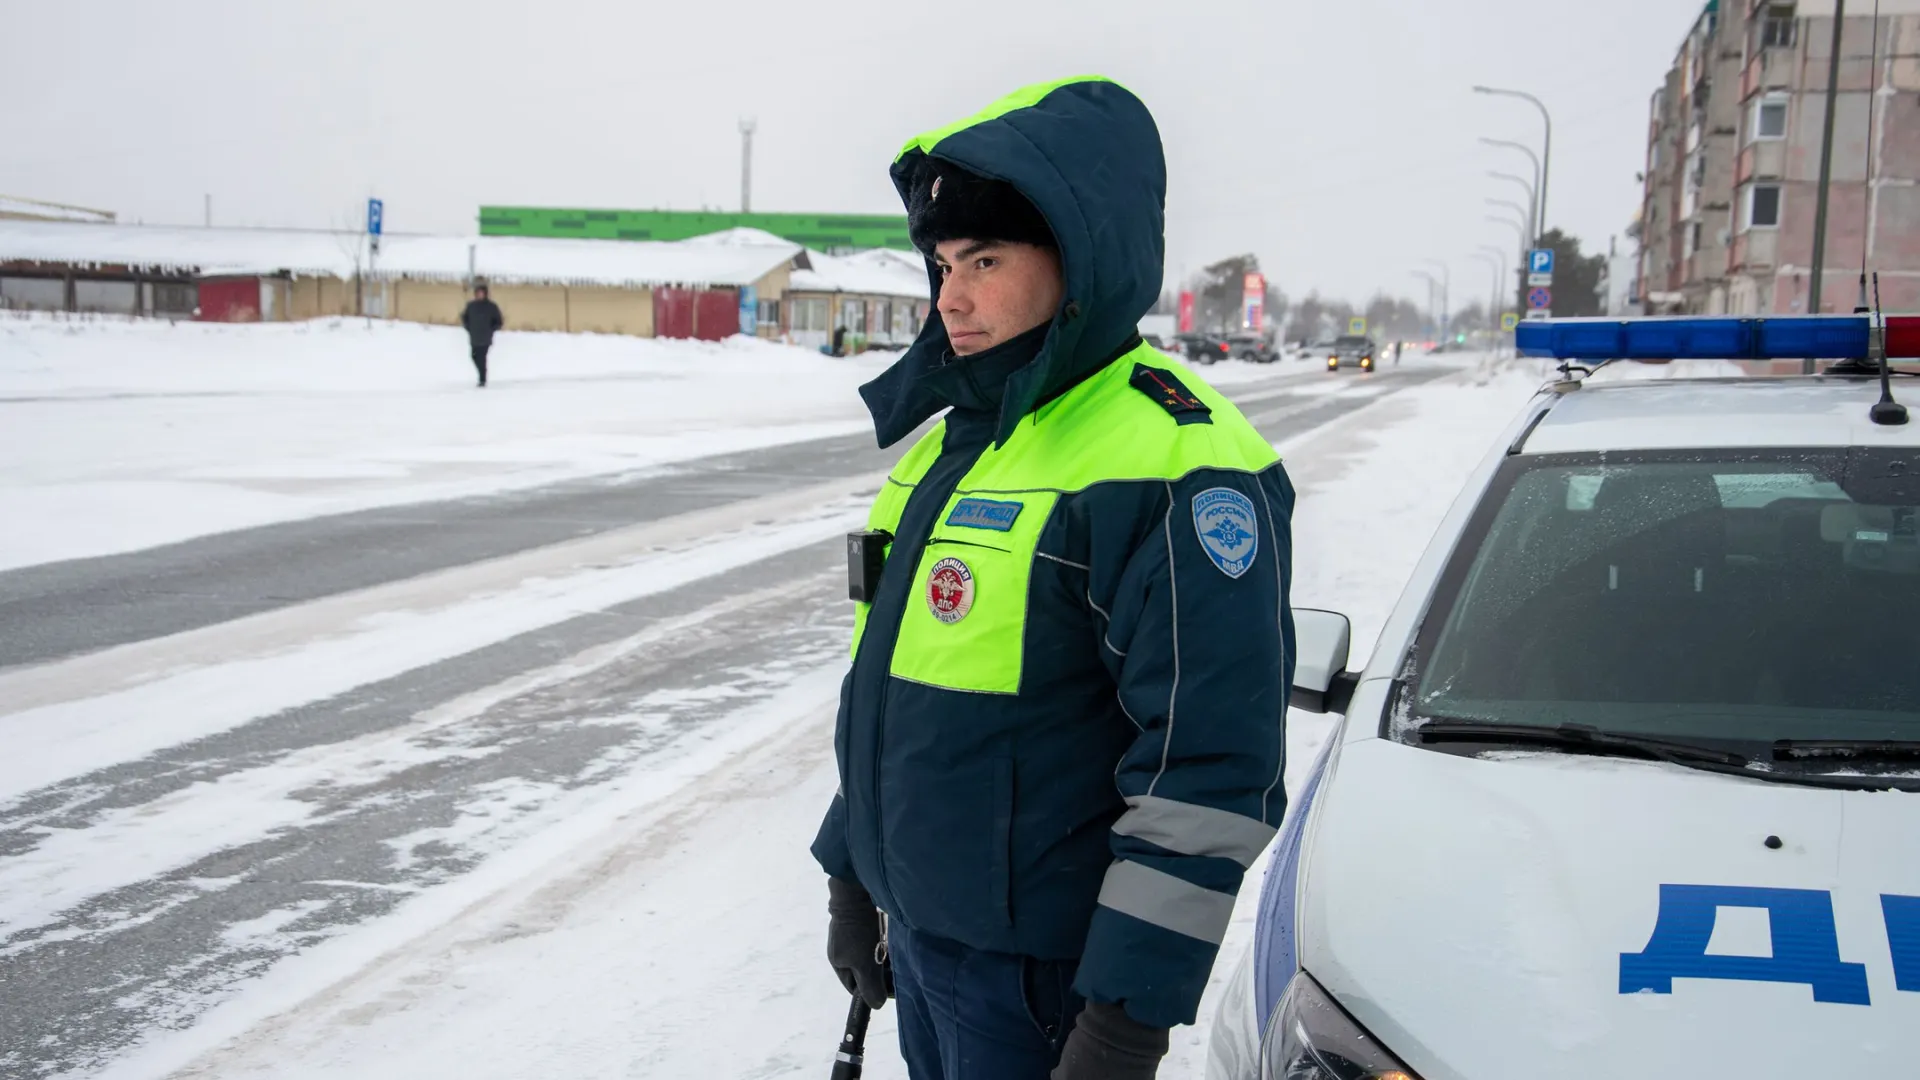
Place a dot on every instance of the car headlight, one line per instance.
(1313, 1038)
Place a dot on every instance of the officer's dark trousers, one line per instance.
(480, 359)
(972, 1015)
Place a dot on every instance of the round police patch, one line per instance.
(950, 590)
(1228, 534)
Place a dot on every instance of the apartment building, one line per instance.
(1733, 160)
(1692, 145)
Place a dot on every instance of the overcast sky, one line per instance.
(1335, 139)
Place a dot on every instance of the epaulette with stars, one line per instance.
(1168, 392)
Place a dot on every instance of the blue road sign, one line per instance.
(376, 210)
(1539, 299)
(1540, 261)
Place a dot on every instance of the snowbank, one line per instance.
(123, 435)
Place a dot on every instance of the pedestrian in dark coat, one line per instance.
(481, 318)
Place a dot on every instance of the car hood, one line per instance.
(1495, 917)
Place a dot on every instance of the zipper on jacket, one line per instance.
(965, 460)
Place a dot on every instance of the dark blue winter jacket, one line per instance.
(1062, 734)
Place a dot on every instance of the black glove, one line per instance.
(855, 946)
(1107, 1044)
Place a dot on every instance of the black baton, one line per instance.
(853, 1045)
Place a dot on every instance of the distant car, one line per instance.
(1206, 348)
(1254, 347)
(1358, 351)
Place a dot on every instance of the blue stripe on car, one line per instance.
(1275, 956)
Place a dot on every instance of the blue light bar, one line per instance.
(1715, 337)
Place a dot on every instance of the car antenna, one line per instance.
(1885, 412)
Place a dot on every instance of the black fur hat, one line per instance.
(949, 203)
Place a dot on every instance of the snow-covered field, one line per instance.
(282, 421)
(670, 924)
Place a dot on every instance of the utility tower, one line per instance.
(746, 166)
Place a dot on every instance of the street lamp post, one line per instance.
(1446, 294)
(1494, 266)
(1536, 218)
(1532, 195)
(1816, 281)
(1547, 151)
(1519, 231)
(1510, 205)
(1523, 222)
(1499, 298)
(1433, 287)
(1506, 204)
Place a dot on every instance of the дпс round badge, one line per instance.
(1224, 519)
(950, 590)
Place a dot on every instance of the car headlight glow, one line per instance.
(1312, 1038)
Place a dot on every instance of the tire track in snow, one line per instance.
(155, 953)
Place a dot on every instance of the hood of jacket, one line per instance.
(1086, 152)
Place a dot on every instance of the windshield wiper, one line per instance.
(1846, 750)
(1584, 738)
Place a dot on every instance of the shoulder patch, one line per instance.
(1228, 530)
(1168, 392)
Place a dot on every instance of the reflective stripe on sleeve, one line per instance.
(1167, 902)
(1187, 829)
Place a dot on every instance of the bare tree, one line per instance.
(1277, 304)
(1219, 294)
(352, 243)
(1308, 319)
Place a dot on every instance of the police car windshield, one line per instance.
(1725, 598)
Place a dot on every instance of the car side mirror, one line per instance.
(1321, 681)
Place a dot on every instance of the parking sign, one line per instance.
(1540, 261)
(376, 214)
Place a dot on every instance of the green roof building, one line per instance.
(822, 232)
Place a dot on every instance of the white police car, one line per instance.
(1629, 786)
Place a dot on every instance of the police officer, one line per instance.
(1060, 743)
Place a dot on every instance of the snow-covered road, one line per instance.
(539, 807)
